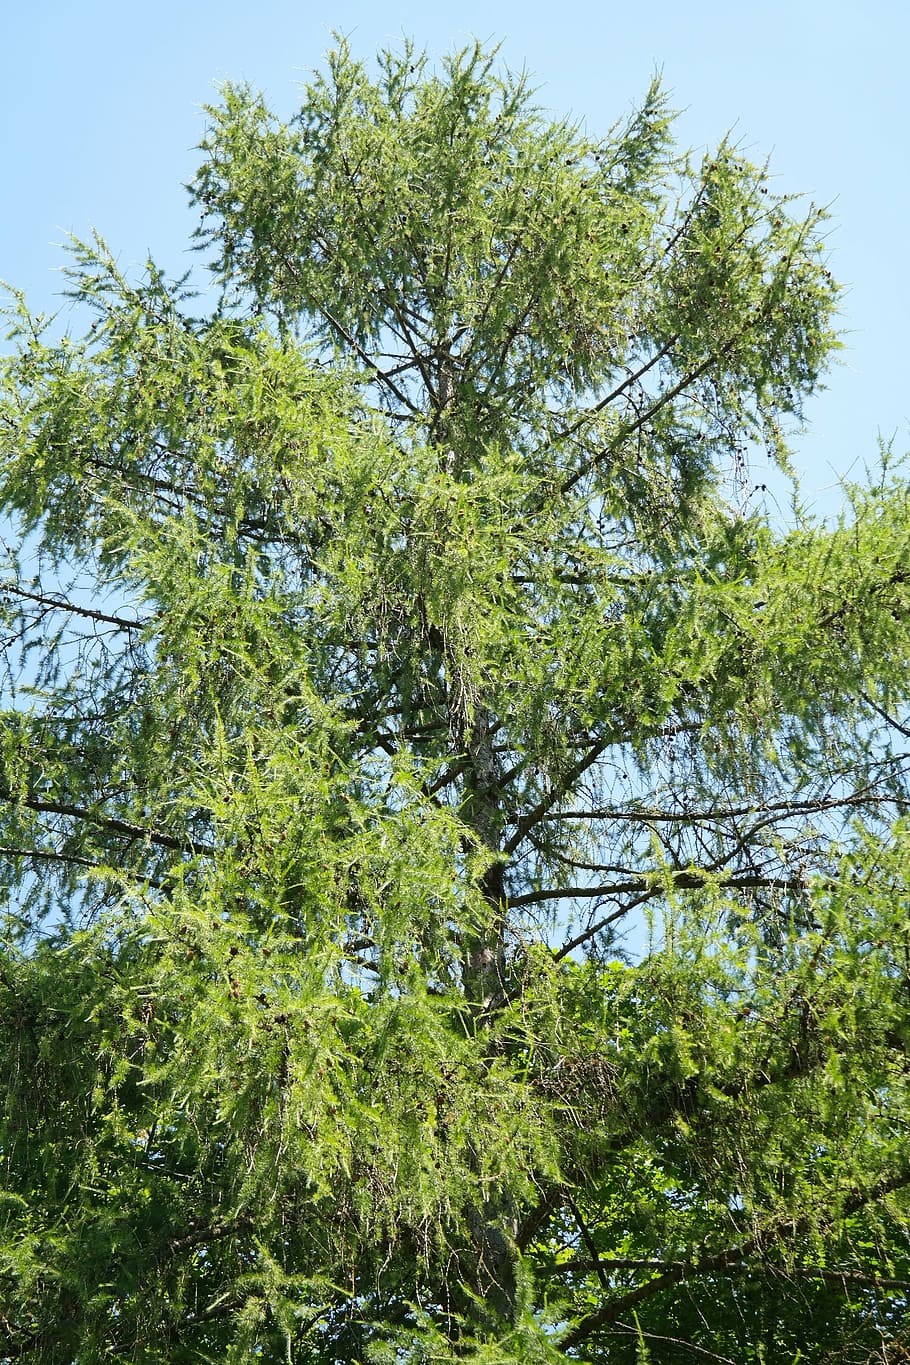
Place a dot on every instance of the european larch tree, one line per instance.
(455, 842)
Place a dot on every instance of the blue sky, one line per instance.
(100, 106)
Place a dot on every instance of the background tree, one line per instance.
(379, 645)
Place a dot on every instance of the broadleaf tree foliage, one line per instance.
(455, 847)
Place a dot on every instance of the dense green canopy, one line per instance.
(383, 641)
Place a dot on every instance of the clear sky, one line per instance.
(100, 107)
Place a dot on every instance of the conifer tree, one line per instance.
(455, 844)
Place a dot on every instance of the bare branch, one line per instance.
(565, 784)
(110, 823)
(676, 881)
(52, 602)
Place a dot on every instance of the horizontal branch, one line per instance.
(675, 1274)
(108, 822)
(46, 855)
(652, 815)
(201, 1236)
(582, 1265)
(51, 601)
(656, 886)
(722, 1261)
(715, 815)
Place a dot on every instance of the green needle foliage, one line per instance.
(455, 847)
